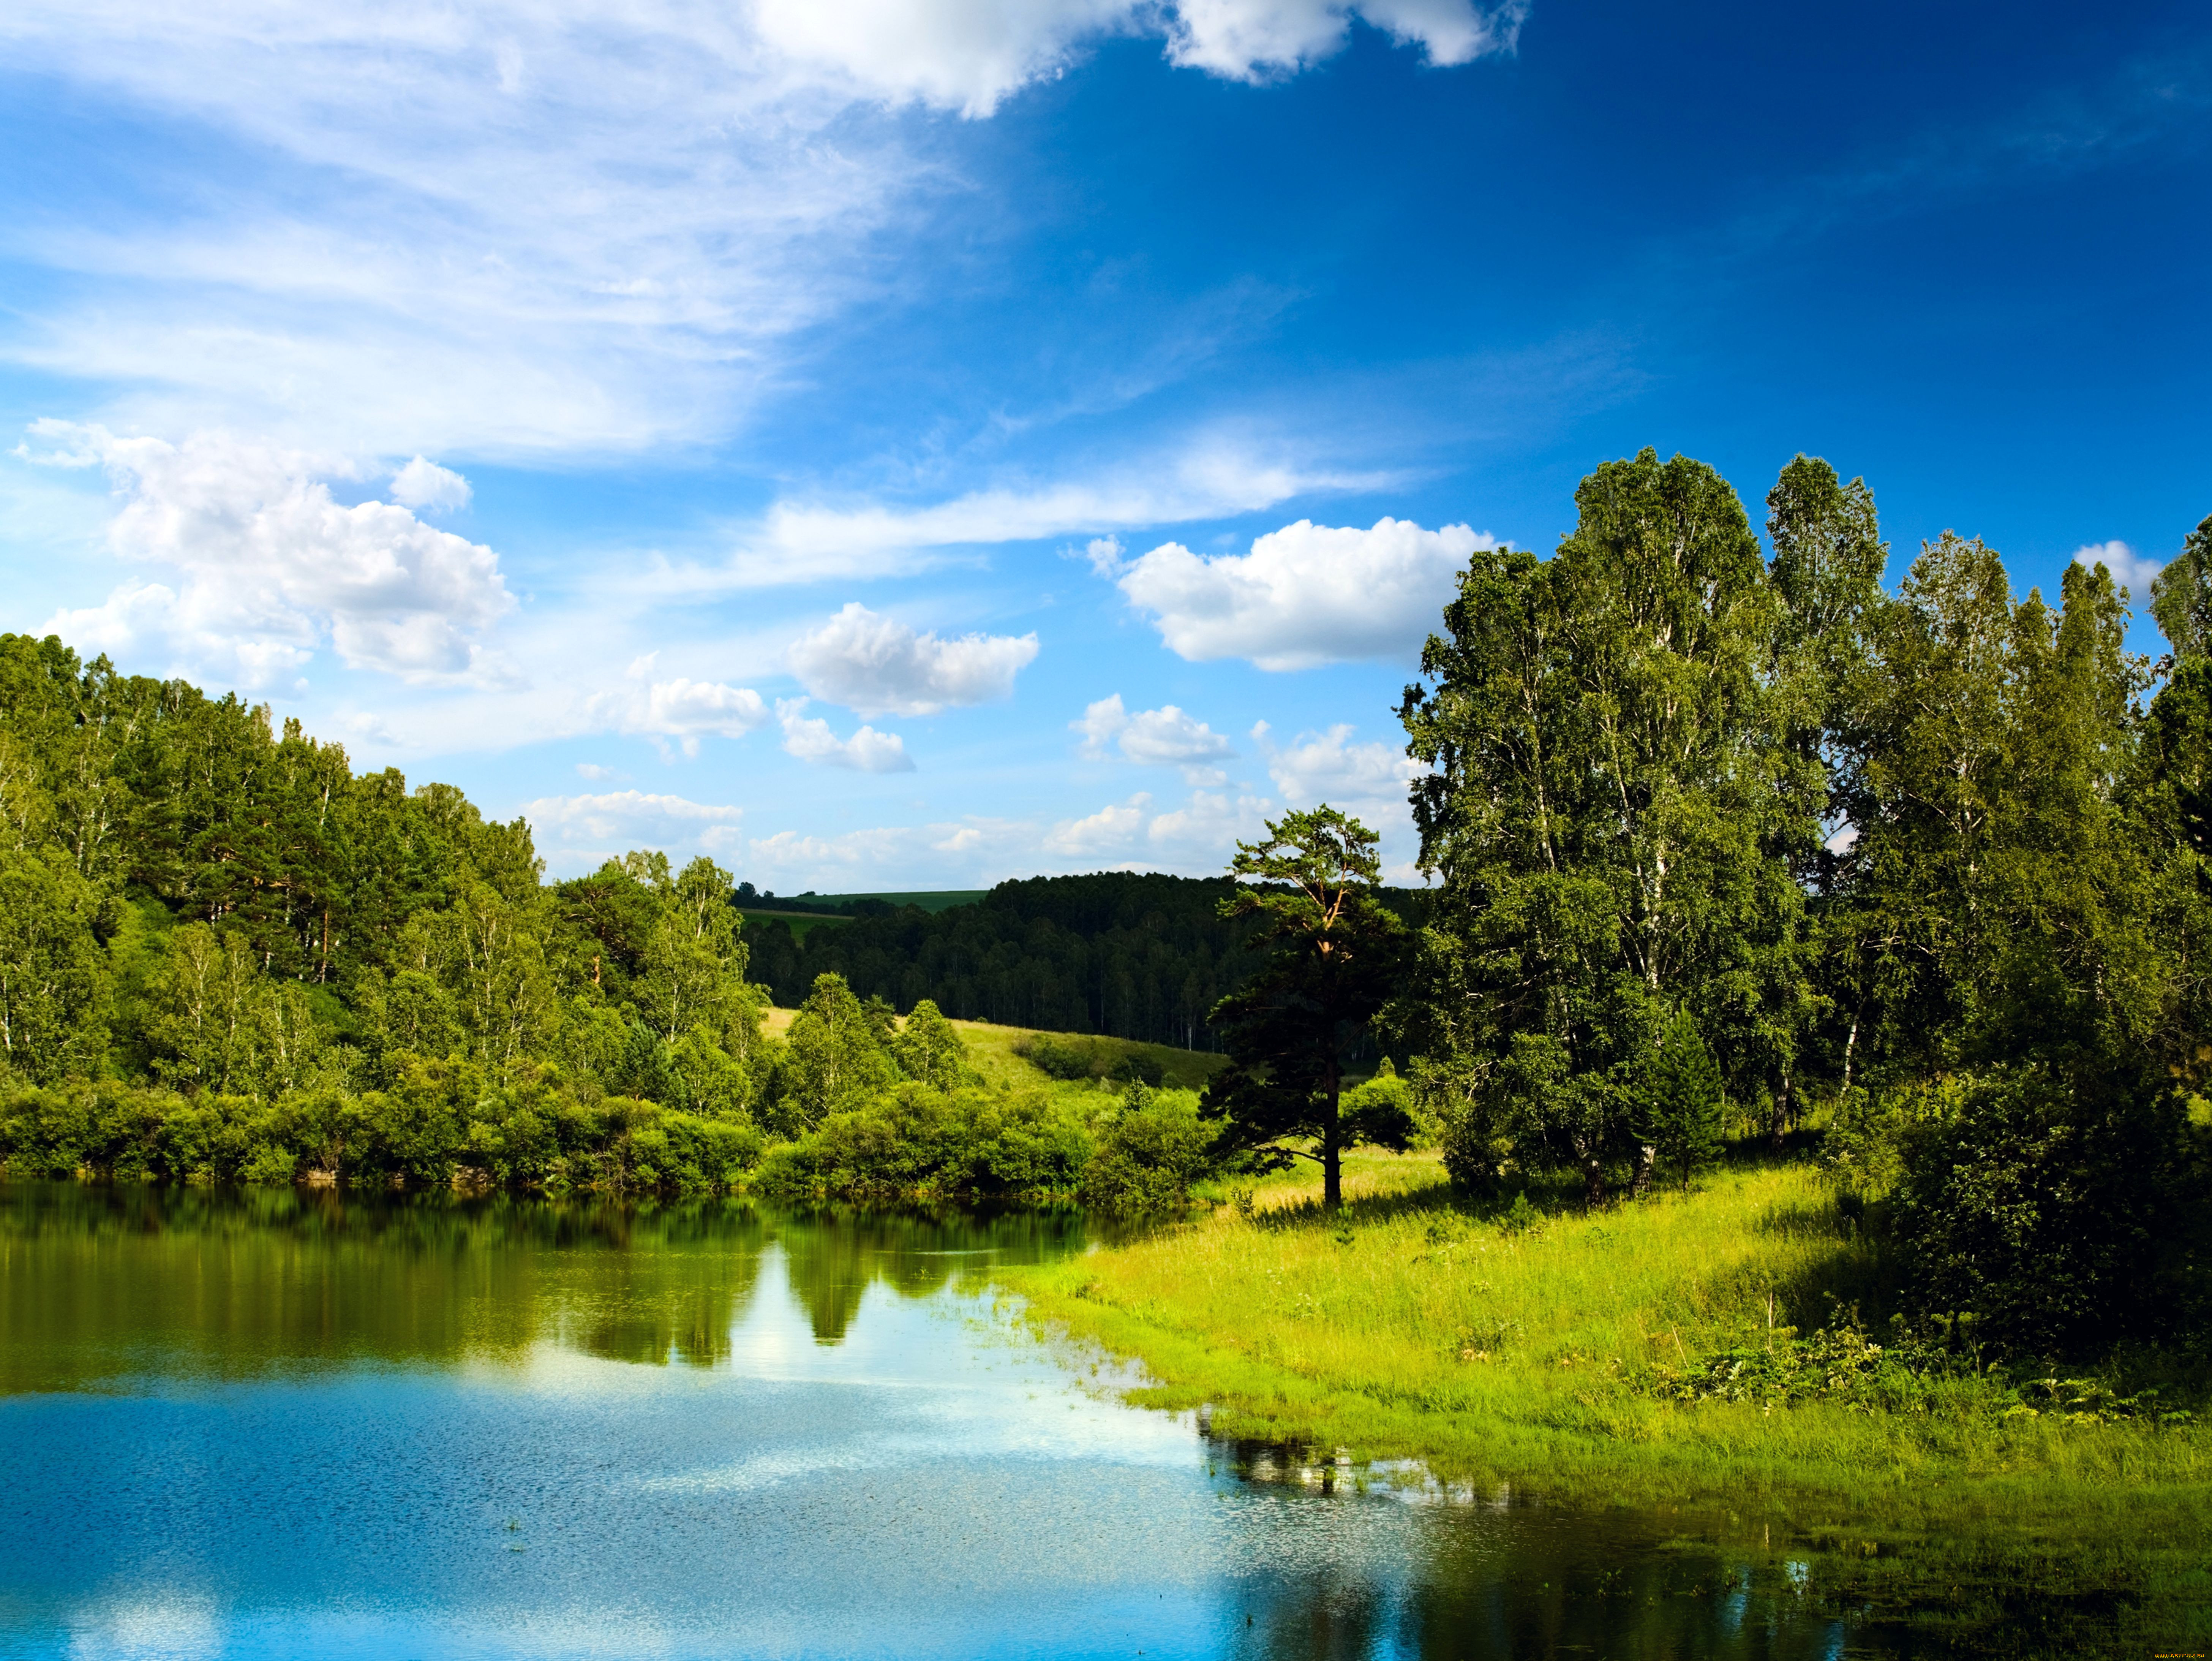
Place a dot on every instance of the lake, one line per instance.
(283, 1423)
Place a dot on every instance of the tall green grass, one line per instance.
(1411, 1327)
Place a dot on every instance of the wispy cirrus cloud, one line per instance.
(1209, 478)
(511, 229)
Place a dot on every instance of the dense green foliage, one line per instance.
(1128, 954)
(1921, 864)
(225, 957)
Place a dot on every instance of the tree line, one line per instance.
(1126, 954)
(225, 956)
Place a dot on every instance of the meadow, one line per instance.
(1540, 1345)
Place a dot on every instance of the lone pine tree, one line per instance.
(1335, 955)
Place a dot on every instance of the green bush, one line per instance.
(2033, 1206)
(1151, 1153)
(1060, 1058)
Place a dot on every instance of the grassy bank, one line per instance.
(1414, 1329)
(995, 1052)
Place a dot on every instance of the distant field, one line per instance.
(798, 921)
(991, 1051)
(936, 900)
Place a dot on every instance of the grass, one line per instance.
(1414, 1329)
(991, 1051)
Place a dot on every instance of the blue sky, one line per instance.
(910, 443)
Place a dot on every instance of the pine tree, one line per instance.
(1680, 1101)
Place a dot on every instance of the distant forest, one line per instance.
(1126, 955)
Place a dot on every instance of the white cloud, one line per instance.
(1104, 553)
(520, 227)
(2129, 569)
(1164, 737)
(593, 771)
(1306, 595)
(1108, 829)
(970, 55)
(615, 811)
(264, 567)
(579, 832)
(1328, 767)
(800, 542)
(1199, 834)
(876, 665)
(681, 708)
(423, 484)
(867, 751)
(1248, 39)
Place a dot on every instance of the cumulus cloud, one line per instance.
(603, 814)
(1306, 595)
(1108, 829)
(680, 707)
(424, 485)
(1199, 834)
(1250, 39)
(876, 665)
(867, 751)
(1369, 780)
(2129, 569)
(945, 852)
(260, 565)
(1163, 737)
(686, 707)
(970, 55)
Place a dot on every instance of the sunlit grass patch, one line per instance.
(1414, 1325)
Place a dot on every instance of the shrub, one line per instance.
(2032, 1206)
(1060, 1058)
(1151, 1153)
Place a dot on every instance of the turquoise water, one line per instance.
(284, 1425)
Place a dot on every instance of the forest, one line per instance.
(1135, 955)
(225, 956)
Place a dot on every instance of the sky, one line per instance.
(907, 444)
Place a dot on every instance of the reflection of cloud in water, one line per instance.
(172, 1627)
(918, 1384)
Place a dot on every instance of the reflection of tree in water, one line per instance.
(674, 1293)
(99, 1281)
(833, 1257)
(1513, 1577)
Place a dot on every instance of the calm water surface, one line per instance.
(284, 1425)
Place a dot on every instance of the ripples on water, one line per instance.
(281, 1424)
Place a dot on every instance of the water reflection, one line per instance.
(97, 1282)
(279, 1424)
